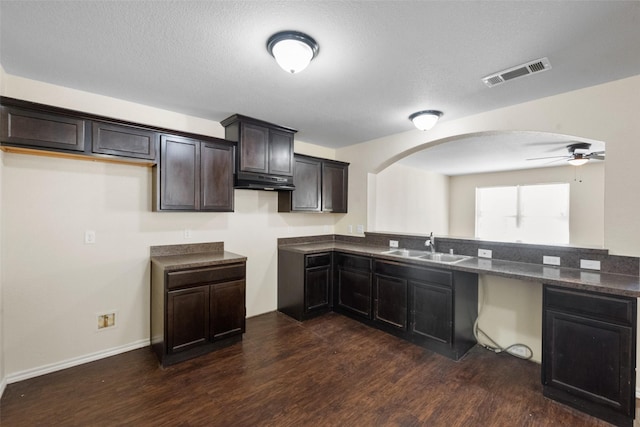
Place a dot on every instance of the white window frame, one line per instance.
(520, 216)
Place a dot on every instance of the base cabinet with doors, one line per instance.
(353, 291)
(321, 186)
(196, 310)
(589, 352)
(194, 175)
(304, 283)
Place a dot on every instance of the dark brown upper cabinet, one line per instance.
(194, 175)
(120, 140)
(42, 129)
(321, 185)
(265, 150)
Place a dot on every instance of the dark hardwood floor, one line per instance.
(327, 371)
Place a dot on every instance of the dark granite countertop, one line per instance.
(179, 257)
(618, 284)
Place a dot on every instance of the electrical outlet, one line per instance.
(106, 320)
(551, 260)
(89, 237)
(590, 264)
(360, 229)
(484, 253)
(393, 243)
(187, 233)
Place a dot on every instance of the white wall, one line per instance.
(53, 284)
(3, 379)
(586, 210)
(607, 112)
(411, 200)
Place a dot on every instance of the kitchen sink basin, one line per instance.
(406, 252)
(446, 258)
(426, 255)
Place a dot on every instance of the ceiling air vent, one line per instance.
(517, 71)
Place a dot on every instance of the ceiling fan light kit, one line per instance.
(425, 120)
(292, 50)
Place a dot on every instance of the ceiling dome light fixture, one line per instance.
(578, 160)
(425, 120)
(292, 50)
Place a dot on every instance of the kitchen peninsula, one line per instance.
(589, 317)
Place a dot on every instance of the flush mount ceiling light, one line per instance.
(425, 120)
(578, 160)
(292, 50)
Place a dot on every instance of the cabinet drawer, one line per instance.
(317, 260)
(599, 306)
(178, 279)
(391, 269)
(353, 262)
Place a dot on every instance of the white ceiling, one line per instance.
(379, 61)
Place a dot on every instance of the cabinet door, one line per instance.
(391, 301)
(307, 179)
(39, 129)
(317, 284)
(127, 141)
(354, 291)
(590, 359)
(216, 169)
(334, 187)
(280, 153)
(431, 311)
(187, 318)
(179, 173)
(227, 309)
(254, 150)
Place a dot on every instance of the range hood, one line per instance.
(256, 181)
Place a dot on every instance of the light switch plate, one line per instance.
(89, 237)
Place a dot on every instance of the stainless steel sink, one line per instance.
(406, 253)
(426, 255)
(445, 258)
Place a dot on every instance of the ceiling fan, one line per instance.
(578, 154)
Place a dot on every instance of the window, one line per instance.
(526, 213)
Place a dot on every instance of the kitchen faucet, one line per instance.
(431, 243)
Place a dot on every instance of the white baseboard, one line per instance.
(53, 367)
(3, 385)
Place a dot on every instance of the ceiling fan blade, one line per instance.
(597, 157)
(597, 152)
(550, 157)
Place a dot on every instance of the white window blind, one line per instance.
(525, 213)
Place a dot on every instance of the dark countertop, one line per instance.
(179, 257)
(617, 284)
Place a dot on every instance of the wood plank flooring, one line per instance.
(329, 371)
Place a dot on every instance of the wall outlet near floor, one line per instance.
(393, 243)
(106, 320)
(551, 260)
(590, 264)
(485, 253)
(89, 237)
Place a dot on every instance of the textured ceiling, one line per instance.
(379, 61)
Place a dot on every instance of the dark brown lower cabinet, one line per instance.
(353, 291)
(589, 352)
(195, 311)
(304, 283)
